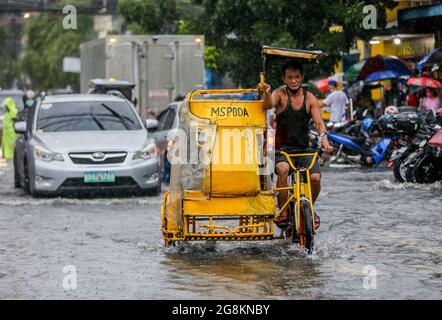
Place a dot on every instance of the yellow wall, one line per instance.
(392, 14)
(408, 47)
(385, 48)
(339, 67)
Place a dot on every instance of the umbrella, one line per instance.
(313, 89)
(433, 57)
(352, 73)
(424, 82)
(322, 85)
(384, 63)
(381, 75)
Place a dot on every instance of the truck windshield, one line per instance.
(87, 116)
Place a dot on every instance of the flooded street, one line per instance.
(378, 240)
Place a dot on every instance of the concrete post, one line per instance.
(366, 50)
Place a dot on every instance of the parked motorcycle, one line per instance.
(366, 148)
(415, 160)
(427, 166)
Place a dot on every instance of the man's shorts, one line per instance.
(299, 161)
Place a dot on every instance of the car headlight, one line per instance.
(148, 152)
(43, 154)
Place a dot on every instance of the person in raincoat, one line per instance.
(8, 129)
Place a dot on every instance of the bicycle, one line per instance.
(300, 196)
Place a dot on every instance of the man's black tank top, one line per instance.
(292, 126)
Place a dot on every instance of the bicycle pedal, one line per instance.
(288, 233)
(282, 225)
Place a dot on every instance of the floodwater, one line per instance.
(378, 240)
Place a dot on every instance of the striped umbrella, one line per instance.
(352, 73)
(384, 63)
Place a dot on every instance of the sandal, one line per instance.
(281, 221)
(317, 222)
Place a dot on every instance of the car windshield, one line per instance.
(17, 98)
(86, 116)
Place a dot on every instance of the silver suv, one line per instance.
(86, 142)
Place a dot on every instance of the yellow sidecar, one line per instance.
(220, 187)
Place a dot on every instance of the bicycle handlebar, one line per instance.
(314, 156)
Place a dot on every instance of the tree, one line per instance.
(239, 28)
(9, 51)
(47, 43)
(4, 74)
(149, 16)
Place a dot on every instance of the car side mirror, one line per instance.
(151, 124)
(20, 127)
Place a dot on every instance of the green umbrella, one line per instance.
(353, 72)
(313, 89)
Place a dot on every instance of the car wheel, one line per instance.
(26, 174)
(16, 175)
(30, 184)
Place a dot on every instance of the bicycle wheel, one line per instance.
(306, 236)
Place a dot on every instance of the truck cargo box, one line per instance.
(162, 67)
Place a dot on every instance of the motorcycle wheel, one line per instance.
(399, 170)
(425, 170)
(410, 163)
(409, 174)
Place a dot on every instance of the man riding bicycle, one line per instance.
(294, 106)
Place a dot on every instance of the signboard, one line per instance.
(71, 64)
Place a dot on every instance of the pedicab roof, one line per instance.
(273, 53)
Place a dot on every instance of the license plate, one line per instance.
(99, 176)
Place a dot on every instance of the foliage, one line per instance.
(237, 29)
(48, 43)
(4, 74)
(8, 57)
(152, 16)
(285, 23)
(211, 56)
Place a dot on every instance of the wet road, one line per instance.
(378, 240)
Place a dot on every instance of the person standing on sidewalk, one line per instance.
(338, 102)
(8, 138)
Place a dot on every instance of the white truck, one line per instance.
(162, 67)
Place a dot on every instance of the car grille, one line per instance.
(78, 183)
(98, 158)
